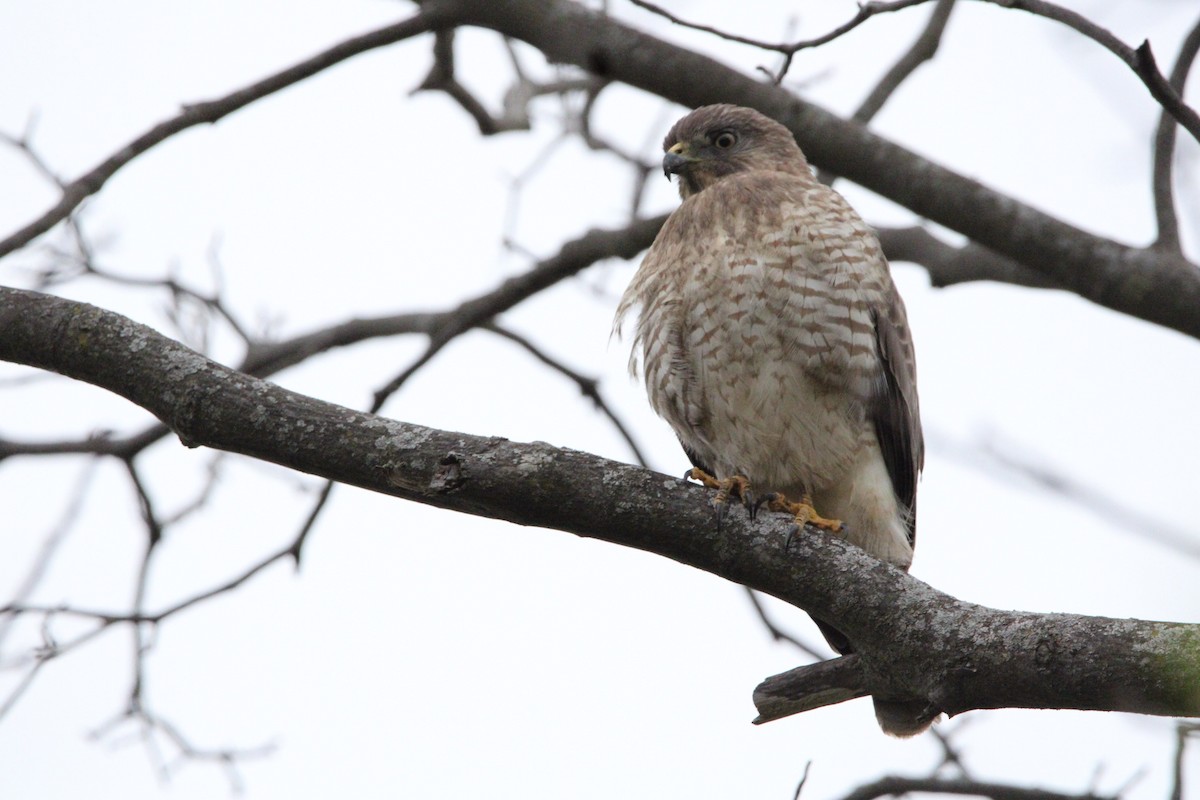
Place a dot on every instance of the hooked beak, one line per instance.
(676, 160)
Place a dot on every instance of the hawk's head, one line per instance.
(715, 141)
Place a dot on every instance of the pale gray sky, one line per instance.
(426, 654)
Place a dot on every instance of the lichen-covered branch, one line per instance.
(913, 641)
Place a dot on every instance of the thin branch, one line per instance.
(895, 786)
(572, 257)
(441, 77)
(22, 686)
(24, 144)
(108, 618)
(49, 650)
(91, 182)
(211, 478)
(50, 545)
(923, 49)
(154, 527)
(787, 50)
(210, 302)
(588, 387)
(1164, 150)
(296, 549)
(803, 780)
(777, 633)
(152, 726)
(1140, 60)
(264, 359)
(951, 757)
(1183, 732)
(987, 456)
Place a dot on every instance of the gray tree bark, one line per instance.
(912, 641)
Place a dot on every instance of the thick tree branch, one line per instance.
(913, 641)
(1151, 285)
(948, 265)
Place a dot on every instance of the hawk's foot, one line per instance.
(737, 487)
(802, 513)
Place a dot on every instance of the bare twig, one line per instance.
(777, 633)
(571, 258)
(50, 545)
(108, 618)
(895, 786)
(91, 182)
(788, 50)
(803, 780)
(24, 143)
(1164, 150)
(1140, 60)
(441, 77)
(49, 650)
(264, 359)
(297, 547)
(212, 475)
(1183, 732)
(154, 527)
(588, 387)
(923, 49)
(951, 757)
(23, 685)
(988, 455)
(153, 727)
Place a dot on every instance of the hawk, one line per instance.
(774, 342)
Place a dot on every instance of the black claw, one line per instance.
(750, 504)
(792, 531)
(766, 499)
(722, 508)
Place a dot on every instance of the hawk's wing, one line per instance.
(893, 408)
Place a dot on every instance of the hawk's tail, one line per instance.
(902, 718)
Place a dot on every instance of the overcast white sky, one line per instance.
(426, 654)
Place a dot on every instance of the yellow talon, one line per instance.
(737, 487)
(803, 512)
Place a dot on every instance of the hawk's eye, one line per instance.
(725, 140)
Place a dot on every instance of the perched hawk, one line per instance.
(773, 341)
